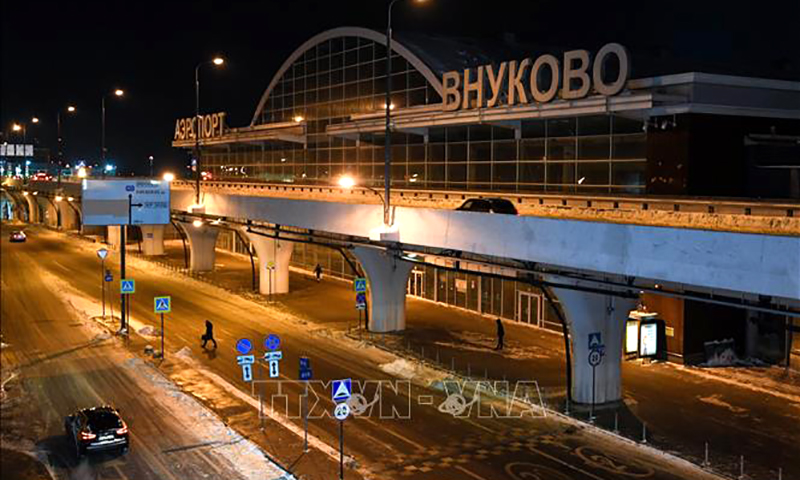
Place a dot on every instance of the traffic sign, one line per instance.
(270, 356)
(127, 286)
(162, 304)
(361, 306)
(109, 277)
(247, 372)
(274, 370)
(272, 342)
(270, 265)
(246, 359)
(102, 253)
(360, 284)
(595, 358)
(361, 298)
(244, 346)
(341, 390)
(341, 411)
(306, 374)
(595, 340)
(305, 363)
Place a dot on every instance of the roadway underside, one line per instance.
(681, 409)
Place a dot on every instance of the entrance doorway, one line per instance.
(416, 283)
(529, 309)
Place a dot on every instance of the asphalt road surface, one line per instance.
(65, 365)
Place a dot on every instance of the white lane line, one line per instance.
(473, 422)
(562, 462)
(401, 437)
(471, 474)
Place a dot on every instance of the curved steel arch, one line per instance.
(376, 37)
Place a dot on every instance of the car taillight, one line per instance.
(88, 436)
(123, 430)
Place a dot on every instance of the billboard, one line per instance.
(15, 150)
(649, 340)
(105, 202)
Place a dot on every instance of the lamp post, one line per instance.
(151, 165)
(216, 61)
(346, 181)
(387, 175)
(60, 159)
(117, 92)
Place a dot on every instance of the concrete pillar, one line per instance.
(152, 239)
(113, 235)
(69, 219)
(590, 313)
(387, 277)
(273, 263)
(34, 215)
(50, 212)
(202, 245)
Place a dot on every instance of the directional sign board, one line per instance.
(274, 369)
(341, 390)
(162, 304)
(127, 286)
(245, 359)
(305, 368)
(341, 411)
(360, 284)
(105, 202)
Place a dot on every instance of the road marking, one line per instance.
(471, 474)
(473, 422)
(562, 462)
(401, 437)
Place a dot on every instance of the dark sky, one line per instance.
(60, 52)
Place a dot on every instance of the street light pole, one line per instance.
(118, 93)
(387, 174)
(216, 61)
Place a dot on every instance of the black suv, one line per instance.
(97, 428)
(489, 205)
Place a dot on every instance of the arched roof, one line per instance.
(376, 37)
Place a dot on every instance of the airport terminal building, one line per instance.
(469, 116)
(479, 117)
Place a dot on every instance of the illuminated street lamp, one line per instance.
(197, 223)
(388, 107)
(60, 159)
(346, 181)
(117, 92)
(59, 198)
(16, 127)
(218, 61)
(35, 119)
(169, 177)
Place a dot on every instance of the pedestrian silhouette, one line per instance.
(500, 334)
(209, 335)
(318, 272)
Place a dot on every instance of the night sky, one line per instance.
(56, 53)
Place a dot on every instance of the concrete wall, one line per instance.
(764, 264)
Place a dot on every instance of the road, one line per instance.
(429, 445)
(60, 362)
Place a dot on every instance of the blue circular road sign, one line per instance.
(272, 342)
(244, 346)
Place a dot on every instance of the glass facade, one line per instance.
(344, 76)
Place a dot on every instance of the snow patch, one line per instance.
(185, 353)
(401, 368)
(149, 331)
(717, 401)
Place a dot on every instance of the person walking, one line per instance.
(501, 332)
(209, 335)
(318, 272)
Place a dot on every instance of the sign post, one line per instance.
(102, 254)
(305, 375)
(341, 391)
(111, 202)
(162, 305)
(596, 351)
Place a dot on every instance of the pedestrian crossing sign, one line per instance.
(127, 286)
(360, 284)
(162, 304)
(341, 390)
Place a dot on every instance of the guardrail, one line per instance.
(447, 198)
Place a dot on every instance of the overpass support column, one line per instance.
(202, 245)
(69, 219)
(113, 235)
(33, 208)
(587, 314)
(152, 239)
(388, 277)
(273, 263)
